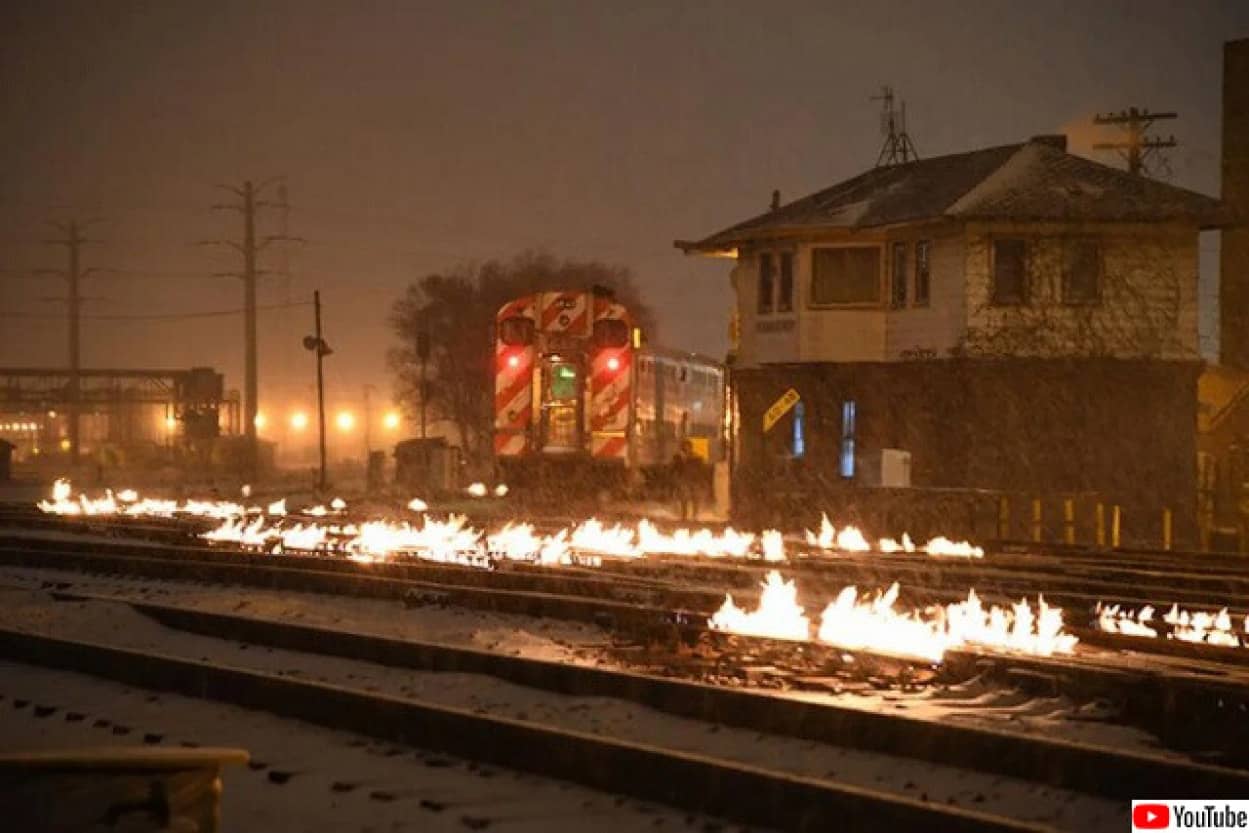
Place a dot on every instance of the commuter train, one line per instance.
(575, 385)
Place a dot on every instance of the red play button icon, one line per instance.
(1151, 817)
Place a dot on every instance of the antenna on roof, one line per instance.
(898, 147)
(1136, 148)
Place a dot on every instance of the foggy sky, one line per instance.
(415, 136)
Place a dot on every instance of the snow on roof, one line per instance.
(1035, 180)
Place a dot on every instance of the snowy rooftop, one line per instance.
(1035, 180)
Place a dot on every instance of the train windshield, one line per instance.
(610, 332)
(516, 331)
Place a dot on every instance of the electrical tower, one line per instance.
(250, 248)
(898, 147)
(73, 273)
(1136, 147)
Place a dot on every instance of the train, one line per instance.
(577, 386)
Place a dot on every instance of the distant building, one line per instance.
(1015, 318)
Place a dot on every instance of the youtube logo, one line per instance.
(1151, 817)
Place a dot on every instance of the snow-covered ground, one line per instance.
(117, 624)
(304, 778)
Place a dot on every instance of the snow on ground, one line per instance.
(120, 625)
(310, 779)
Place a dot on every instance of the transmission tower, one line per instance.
(73, 240)
(248, 202)
(898, 147)
(1136, 148)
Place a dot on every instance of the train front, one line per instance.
(563, 392)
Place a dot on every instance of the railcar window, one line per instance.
(516, 331)
(611, 332)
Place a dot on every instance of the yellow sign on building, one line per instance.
(779, 408)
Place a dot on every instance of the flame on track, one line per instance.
(875, 624)
(851, 539)
(1196, 626)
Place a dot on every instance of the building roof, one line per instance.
(1034, 181)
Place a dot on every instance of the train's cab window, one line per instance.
(563, 382)
(516, 331)
(611, 332)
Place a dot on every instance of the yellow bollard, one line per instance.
(1036, 519)
(1069, 521)
(1003, 518)
(1114, 526)
(1101, 524)
(1166, 529)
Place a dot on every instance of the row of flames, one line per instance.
(874, 623)
(850, 621)
(1184, 625)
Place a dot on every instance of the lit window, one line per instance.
(1081, 272)
(766, 280)
(923, 273)
(847, 438)
(847, 275)
(1010, 272)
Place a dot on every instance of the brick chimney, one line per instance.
(1234, 254)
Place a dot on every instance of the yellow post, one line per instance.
(1069, 521)
(1101, 524)
(1003, 518)
(1036, 519)
(1114, 526)
(1166, 528)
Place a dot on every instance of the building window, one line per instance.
(923, 274)
(847, 275)
(1010, 271)
(897, 286)
(1082, 268)
(847, 438)
(765, 284)
(785, 297)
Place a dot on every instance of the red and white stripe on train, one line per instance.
(563, 376)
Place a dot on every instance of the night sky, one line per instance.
(417, 136)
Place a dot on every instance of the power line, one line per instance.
(159, 317)
(1136, 147)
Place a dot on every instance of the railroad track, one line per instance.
(768, 796)
(1193, 704)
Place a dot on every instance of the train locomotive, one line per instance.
(576, 390)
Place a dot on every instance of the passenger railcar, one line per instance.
(573, 382)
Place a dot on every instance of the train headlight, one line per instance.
(513, 361)
(613, 364)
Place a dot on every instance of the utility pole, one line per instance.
(1136, 147)
(422, 353)
(73, 273)
(368, 424)
(317, 344)
(898, 147)
(249, 248)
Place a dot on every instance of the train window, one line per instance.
(611, 332)
(516, 331)
(562, 382)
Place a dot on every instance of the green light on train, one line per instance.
(566, 372)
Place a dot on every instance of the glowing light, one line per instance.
(345, 420)
(477, 490)
(613, 364)
(299, 420)
(513, 361)
(391, 420)
(260, 421)
(65, 444)
(418, 505)
(500, 490)
(778, 616)
(51, 414)
(171, 423)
